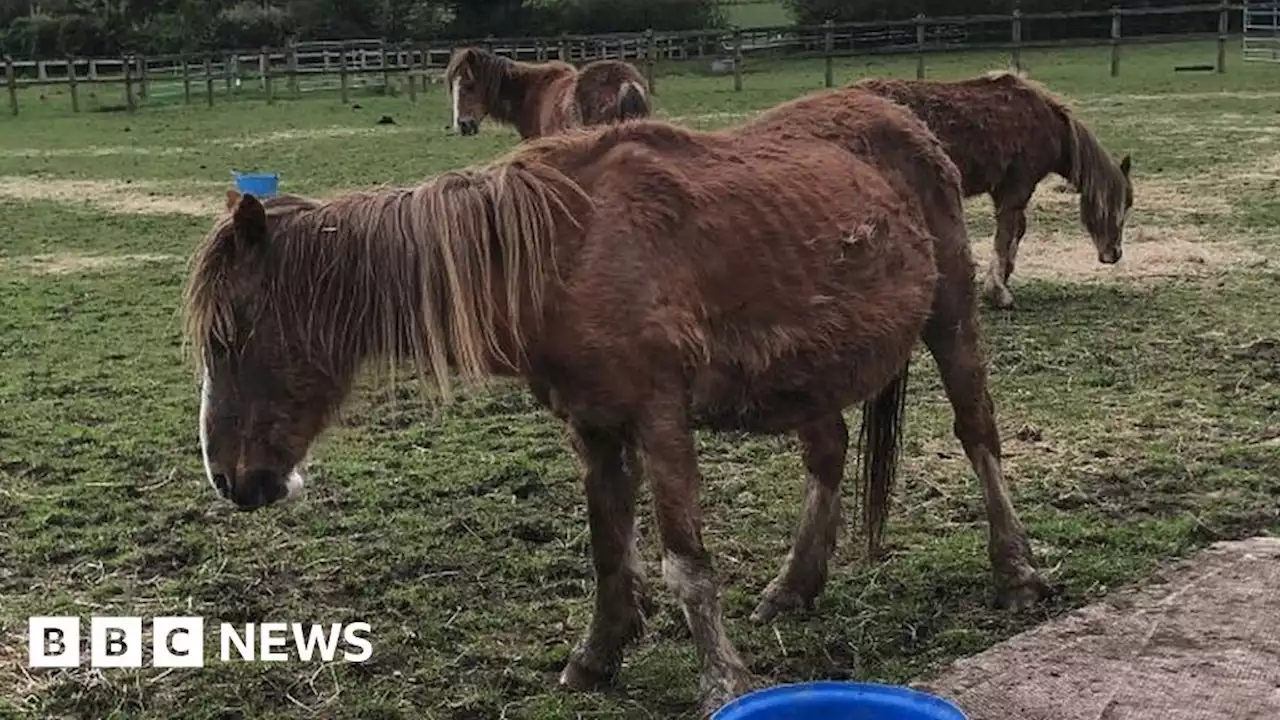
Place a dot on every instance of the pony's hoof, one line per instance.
(1023, 594)
(778, 600)
(720, 690)
(579, 677)
(999, 298)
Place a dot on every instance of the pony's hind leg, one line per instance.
(669, 461)
(620, 587)
(823, 445)
(952, 336)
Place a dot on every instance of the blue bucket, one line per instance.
(831, 700)
(262, 185)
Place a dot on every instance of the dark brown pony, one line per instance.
(1006, 134)
(644, 280)
(544, 98)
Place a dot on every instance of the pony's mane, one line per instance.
(396, 273)
(1096, 176)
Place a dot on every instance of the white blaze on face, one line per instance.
(204, 429)
(293, 485)
(456, 90)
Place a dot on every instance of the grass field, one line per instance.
(757, 13)
(1140, 406)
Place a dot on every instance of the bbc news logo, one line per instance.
(117, 642)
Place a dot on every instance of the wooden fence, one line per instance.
(206, 76)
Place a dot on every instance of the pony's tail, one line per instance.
(633, 102)
(879, 447)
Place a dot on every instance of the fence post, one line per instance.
(737, 60)
(291, 64)
(386, 72)
(11, 80)
(1223, 19)
(1017, 40)
(144, 89)
(228, 70)
(413, 83)
(186, 80)
(264, 68)
(342, 70)
(920, 29)
(829, 46)
(1115, 41)
(426, 64)
(128, 84)
(71, 83)
(208, 79)
(650, 61)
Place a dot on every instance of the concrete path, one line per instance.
(1204, 644)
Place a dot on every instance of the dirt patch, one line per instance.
(95, 151)
(311, 134)
(1178, 197)
(1166, 196)
(1150, 252)
(72, 263)
(1198, 643)
(234, 142)
(1214, 95)
(112, 196)
(710, 117)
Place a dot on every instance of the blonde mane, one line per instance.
(397, 273)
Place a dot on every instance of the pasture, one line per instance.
(1139, 406)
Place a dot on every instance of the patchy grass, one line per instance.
(1141, 412)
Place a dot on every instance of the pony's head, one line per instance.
(1105, 210)
(476, 79)
(262, 400)
(288, 298)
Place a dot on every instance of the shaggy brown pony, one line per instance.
(644, 281)
(1006, 133)
(544, 98)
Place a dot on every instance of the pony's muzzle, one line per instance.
(256, 489)
(468, 126)
(1110, 256)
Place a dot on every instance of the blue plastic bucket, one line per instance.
(831, 700)
(261, 185)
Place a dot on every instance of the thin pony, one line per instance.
(544, 98)
(644, 281)
(1006, 133)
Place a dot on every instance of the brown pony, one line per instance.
(541, 99)
(1006, 134)
(643, 280)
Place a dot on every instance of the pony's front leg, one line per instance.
(669, 461)
(621, 599)
(1011, 225)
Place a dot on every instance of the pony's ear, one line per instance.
(233, 197)
(249, 220)
(1124, 165)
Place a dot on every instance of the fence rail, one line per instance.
(322, 64)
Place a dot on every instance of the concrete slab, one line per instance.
(1202, 643)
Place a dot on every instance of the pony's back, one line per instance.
(987, 123)
(611, 91)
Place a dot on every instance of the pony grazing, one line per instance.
(643, 281)
(544, 98)
(1006, 134)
